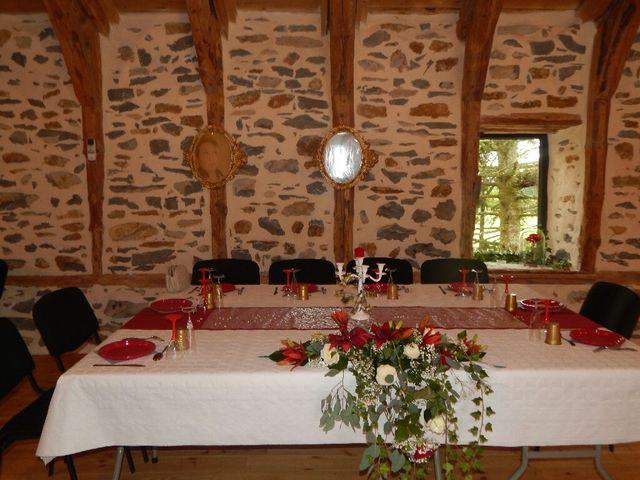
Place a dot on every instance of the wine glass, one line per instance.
(506, 279)
(173, 318)
(294, 281)
(203, 282)
(287, 286)
(463, 286)
(537, 323)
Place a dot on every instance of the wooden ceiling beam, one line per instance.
(616, 31)
(342, 26)
(206, 33)
(476, 26)
(80, 46)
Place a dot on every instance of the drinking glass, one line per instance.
(463, 286)
(537, 323)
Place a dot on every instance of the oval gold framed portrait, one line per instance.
(344, 157)
(214, 157)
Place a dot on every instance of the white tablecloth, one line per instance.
(224, 393)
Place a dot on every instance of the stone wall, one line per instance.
(540, 64)
(277, 84)
(44, 214)
(155, 212)
(620, 248)
(407, 84)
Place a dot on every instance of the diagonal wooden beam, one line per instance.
(206, 33)
(592, 10)
(342, 23)
(221, 13)
(102, 13)
(80, 48)
(476, 26)
(617, 29)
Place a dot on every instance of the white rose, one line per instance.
(384, 372)
(330, 355)
(411, 351)
(437, 425)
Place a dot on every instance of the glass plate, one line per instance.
(597, 337)
(170, 305)
(531, 303)
(127, 349)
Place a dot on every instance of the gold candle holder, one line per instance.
(182, 340)
(478, 291)
(553, 334)
(392, 291)
(303, 291)
(511, 302)
(210, 302)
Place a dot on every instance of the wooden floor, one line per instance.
(309, 463)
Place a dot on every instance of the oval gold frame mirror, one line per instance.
(344, 157)
(214, 157)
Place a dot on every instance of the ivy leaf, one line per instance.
(397, 460)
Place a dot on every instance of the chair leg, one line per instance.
(71, 467)
(127, 454)
(145, 457)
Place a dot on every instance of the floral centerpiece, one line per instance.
(407, 383)
(535, 250)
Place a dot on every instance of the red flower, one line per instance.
(342, 319)
(443, 358)
(388, 331)
(534, 238)
(294, 354)
(358, 252)
(472, 346)
(358, 337)
(422, 453)
(431, 338)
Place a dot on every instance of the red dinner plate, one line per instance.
(457, 287)
(127, 349)
(376, 287)
(169, 305)
(228, 287)
(531, 303)
(597, 337)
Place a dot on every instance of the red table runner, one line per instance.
(319, 318)
(567, 319)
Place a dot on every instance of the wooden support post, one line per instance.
(207, 40)
(80, 46)
(476, 26)
(342, 24)
(617, 28)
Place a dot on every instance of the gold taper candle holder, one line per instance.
(478, 291)
(303, 291)
(511, 302)
(392, 291)
(182, 340)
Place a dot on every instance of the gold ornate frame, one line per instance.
(230, 153)
(369, 157)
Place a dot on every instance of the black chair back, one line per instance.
(402, 275)
(235, 270)
(613, 306)
(447, 270)
(4, 269)
(312, 270)
(16, 363)
(66, 321)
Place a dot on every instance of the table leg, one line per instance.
(595, 452)
(117, 466)
(437, 466)
(154, 454)
(524, 462)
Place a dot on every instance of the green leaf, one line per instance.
(397, 460)
(332, 373)
(276, 356)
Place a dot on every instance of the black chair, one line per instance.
(447, 270)
(66, 321)
(16, 364)
(311, 270)
(4, 269)
(403, 273)
(235, 270)
(613, 306)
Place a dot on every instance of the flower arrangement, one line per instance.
(534, 238)
(408, 381)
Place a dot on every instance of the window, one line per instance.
(513, 194)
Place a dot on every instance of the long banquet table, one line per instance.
(224, 392)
